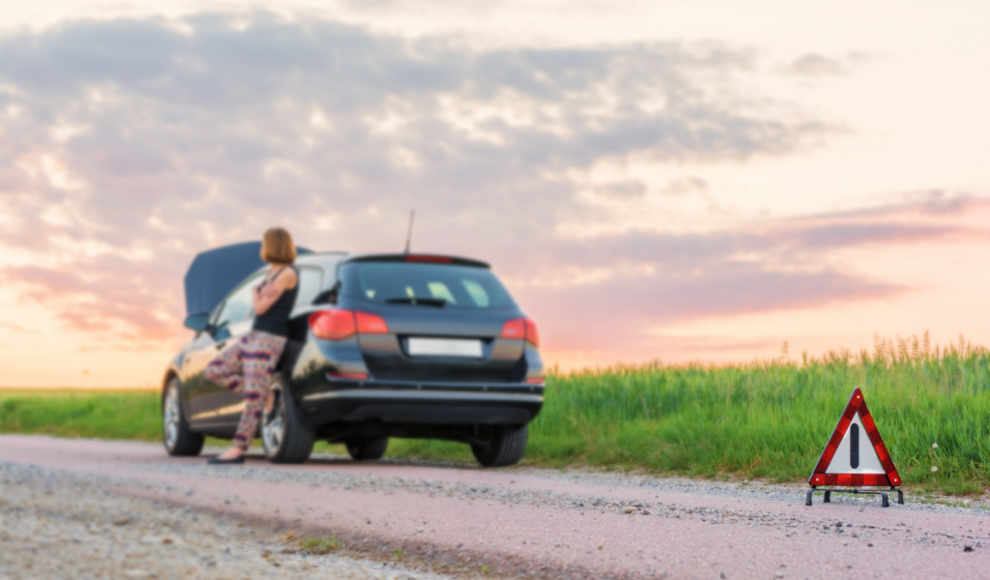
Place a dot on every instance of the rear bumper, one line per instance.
(414, 403)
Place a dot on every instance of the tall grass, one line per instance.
(772, 418)
(767, 419)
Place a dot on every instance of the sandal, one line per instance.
(217, 461)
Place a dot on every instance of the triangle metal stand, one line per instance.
(882, 493)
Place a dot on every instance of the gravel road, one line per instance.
(58, 524)
(424, 520)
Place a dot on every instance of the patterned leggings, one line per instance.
(246, 368)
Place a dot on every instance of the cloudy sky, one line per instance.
(666, 179)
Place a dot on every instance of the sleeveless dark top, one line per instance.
(275, 320)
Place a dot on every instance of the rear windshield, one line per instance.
(424, 284)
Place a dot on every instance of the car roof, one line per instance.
(326, 260)
(320, 258)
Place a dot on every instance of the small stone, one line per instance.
(630, 510)
(121, 521)
(136, 574)
(967, 548)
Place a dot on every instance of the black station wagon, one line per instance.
(380, 346)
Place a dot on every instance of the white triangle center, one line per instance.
(868, 462)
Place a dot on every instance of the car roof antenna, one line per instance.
(412, 214)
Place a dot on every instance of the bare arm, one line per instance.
(263, 298)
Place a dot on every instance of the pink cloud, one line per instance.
(113, 305)
(189, 144)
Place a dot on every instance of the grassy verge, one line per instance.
(102, 414)
(767, 419)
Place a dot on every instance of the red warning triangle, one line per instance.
(850, 458)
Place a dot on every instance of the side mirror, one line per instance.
(197, 321)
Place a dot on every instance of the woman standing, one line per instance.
(246, 368)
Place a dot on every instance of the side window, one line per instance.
(310, 282)
(238, 306)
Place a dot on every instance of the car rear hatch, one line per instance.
(443, 321)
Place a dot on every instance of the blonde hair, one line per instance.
(277, 247)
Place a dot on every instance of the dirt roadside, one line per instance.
(56, 524)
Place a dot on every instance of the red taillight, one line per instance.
(332, 324)
(370, 323)
(341, 324)
(536, 381)
(531, 334)
(434, 259)
(521, 328)
(514, 328)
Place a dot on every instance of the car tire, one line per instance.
(507, 446)
(366, 448)
(178, 438)
(283, 435)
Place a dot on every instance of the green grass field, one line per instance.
(767, 419)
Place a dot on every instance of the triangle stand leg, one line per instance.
(884, 497)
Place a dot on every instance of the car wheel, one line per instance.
(179, 440)
(366, 448)
(284, 437)
(507, 446)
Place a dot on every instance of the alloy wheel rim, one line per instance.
(171, 417)
(273, 431)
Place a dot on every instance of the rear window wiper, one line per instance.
(436, 302)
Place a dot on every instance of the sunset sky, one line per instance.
(671, 179)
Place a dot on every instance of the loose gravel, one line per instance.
(772, 495)
(730, 490)
(755, 490)
(56, 524)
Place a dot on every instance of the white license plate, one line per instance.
(444, 347)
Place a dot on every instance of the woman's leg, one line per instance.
(226, 369)
(260, 355)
